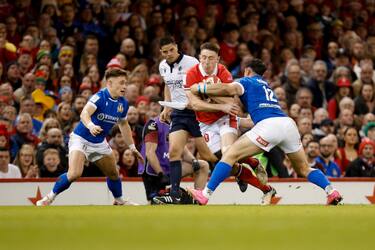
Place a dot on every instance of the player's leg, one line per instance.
(242, 148)
(204, 151)
(177, 142)
(292, 146)
(199, 169)
(316, 176)
(76, 165)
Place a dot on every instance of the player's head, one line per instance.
(168, 49)
(117, 80)
(256, 66)
(209, 56)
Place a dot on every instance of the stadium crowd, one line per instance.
(53, 54)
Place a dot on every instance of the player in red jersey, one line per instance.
(220, 129)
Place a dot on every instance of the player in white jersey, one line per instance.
(88, 140)
(183, 121)
(272, 128)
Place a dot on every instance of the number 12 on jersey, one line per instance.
(269, 94)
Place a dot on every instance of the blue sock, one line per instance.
(318, 178)
(61, 184)
(220, 173)
(115, 186)
(175, 176)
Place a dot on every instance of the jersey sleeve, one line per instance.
(95, 100)
(151, 132)
(241, 83)
(124, 114)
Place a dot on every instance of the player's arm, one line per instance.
(85, 116)
(127, 134)
(198, 104)
(218, 89)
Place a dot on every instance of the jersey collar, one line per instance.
(178, 60)
(204, 72)
(109, 96)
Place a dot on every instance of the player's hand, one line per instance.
(94, 129)
(232, 108)
(138, 155)
(165, 115)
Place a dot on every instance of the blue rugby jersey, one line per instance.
(108, 112)
(259, 99)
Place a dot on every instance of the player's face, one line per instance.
(169, 52)
(208, 59)
(117, 86)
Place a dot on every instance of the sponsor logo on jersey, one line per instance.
(262, 141)
(107, 118)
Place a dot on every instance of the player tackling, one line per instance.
(272, 128)
(88, 140)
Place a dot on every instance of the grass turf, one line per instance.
(187, 227)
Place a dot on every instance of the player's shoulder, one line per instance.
(224, 74)
(193, 70)
(190, 61)
(97, 96)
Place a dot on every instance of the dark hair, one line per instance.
(166, 40)
(3, 149)
(257, 66)
(115, 72)
(210, 46)
(312, 141)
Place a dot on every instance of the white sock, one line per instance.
(51, 195)
(207, 192)
(119, 199)
(329, 189)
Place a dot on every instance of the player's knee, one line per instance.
(204, 167)
(73, 175)
(113, 174)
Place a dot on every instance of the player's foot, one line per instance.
(261, 174)
(267, 197)
(166, 200)
(242, 185)
(122, 202)
(46, 201)
(198, 196)
(334, 198)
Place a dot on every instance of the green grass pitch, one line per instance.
(188, 227)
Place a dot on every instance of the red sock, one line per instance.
(251, 161)
(247, 176)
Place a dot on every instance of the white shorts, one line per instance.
(212, 132)
(276, 131)
(92, 151)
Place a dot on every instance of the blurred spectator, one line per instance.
(364, 165)
(51, 164)
(28, 85)
(365, 77)
(344, 89)
(365, 102)
(321, 89)
(53, 140)
(369, 131)
(293, 83)
(128, 164)
(327, 149)
(312, 152)
(8, 170)
(348, 152)
(23, 134)
(26, 161)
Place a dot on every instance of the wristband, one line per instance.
(132, 146)
(90, 125)
(199, 89)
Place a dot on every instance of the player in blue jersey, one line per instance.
(88, 140)
(272, 128)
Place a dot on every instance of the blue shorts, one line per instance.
(185, 120)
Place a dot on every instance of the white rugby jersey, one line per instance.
(174, 76)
